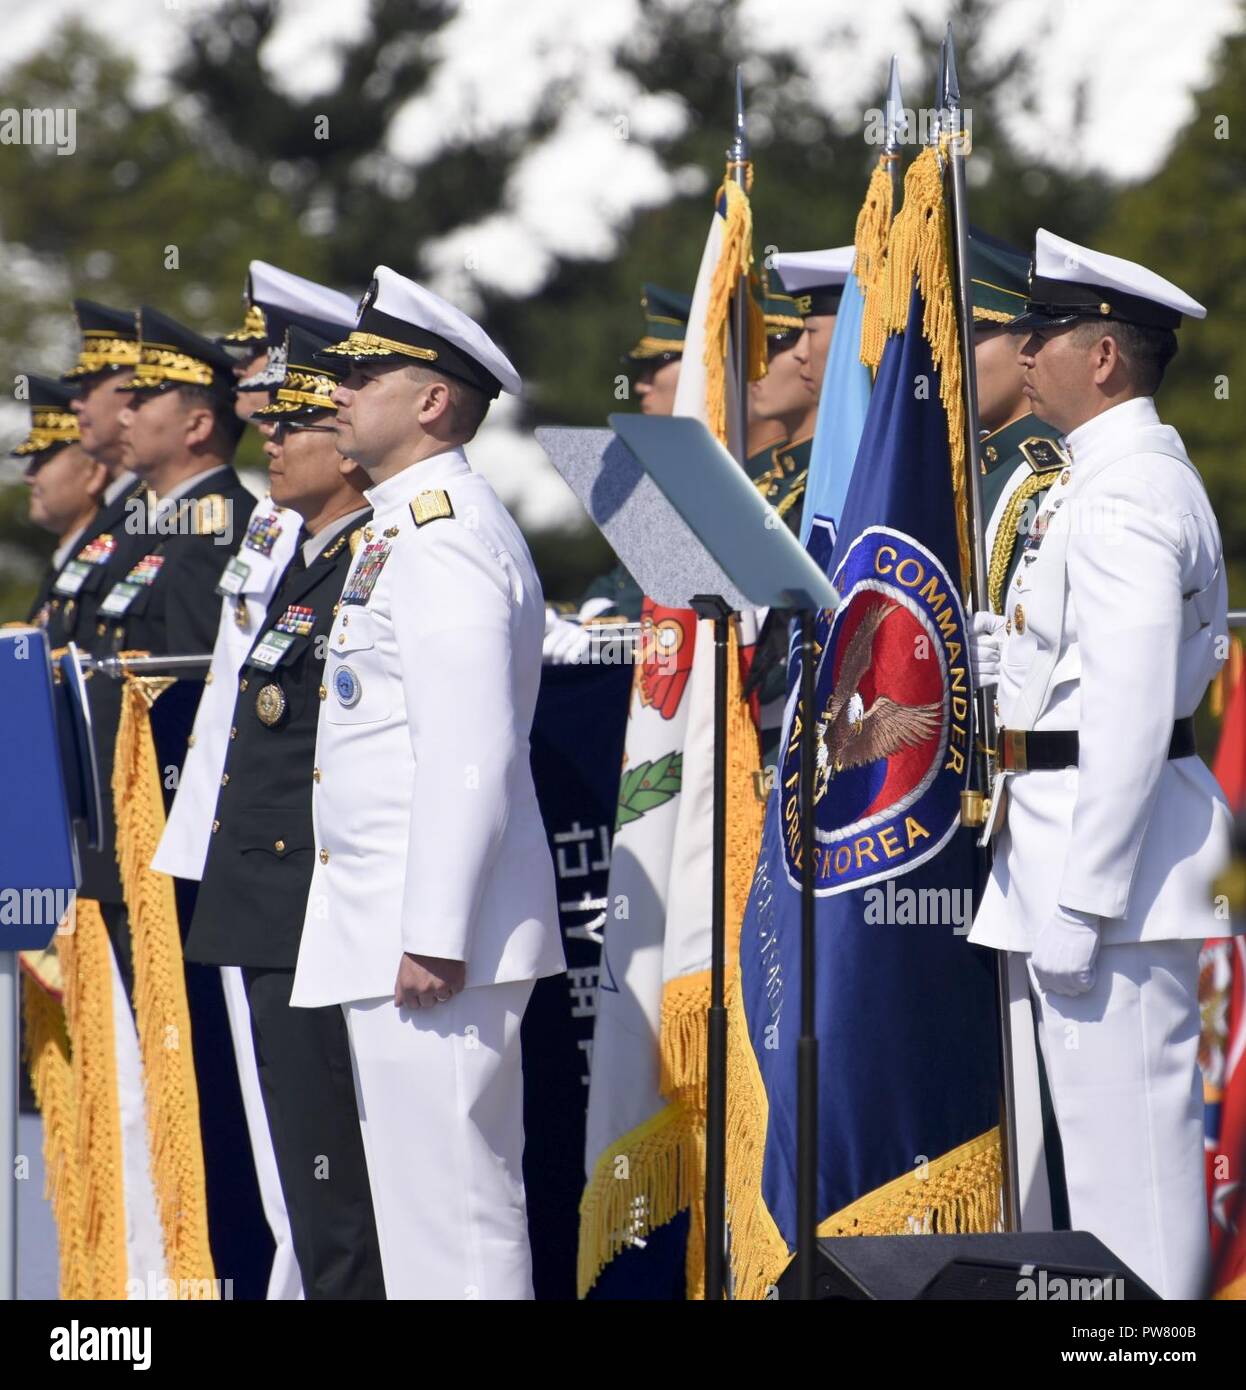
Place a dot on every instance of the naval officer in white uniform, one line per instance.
(1113, 626)
(432, 906)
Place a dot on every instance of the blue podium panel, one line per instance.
(38, 857)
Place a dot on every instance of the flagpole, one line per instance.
(714, 607)
(896, 125)
(983, 760)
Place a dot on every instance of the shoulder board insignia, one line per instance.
(1043, 455)
(213, 514)
(356, 536)
(430, 506)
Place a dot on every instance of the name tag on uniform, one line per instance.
(367, 571)
(235, 576)
(69, 581)
(270, 649)
(120, 597)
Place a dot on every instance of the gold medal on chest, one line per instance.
(270, 704)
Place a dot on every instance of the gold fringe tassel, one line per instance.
(955, 1194)
(870, 240)
(51, 1077)
(684, 1033)
(641, 1182)
(918, 245)
(735, 259)
(86, 962)
(160, 1005)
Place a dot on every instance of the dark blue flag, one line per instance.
(905, 1006)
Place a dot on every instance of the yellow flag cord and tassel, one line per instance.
(870, 240)
(734, 260)
(684, 1035)
(960, 1190)
(161, 1009)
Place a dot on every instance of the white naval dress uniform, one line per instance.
(429, 840)
(1116, 620)
(248, 584)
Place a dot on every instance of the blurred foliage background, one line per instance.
(229, 168)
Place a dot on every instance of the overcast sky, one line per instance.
(572, 195)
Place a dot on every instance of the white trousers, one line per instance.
(144, 1236)
(284, 1281)
(1122, 1063)
(440, 1094)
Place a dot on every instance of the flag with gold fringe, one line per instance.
(905, 1017)
(646, 1114)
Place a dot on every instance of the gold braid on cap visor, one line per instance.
(49, 427)
(159, 364)
(302, 388)
(254, 327)
(373, 345)
(99, 352)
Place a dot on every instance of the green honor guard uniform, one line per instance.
(1021, 457)
(779, 470)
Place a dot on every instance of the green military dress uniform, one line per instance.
(1019, 464)
(1021, 459)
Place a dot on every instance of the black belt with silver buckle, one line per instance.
(1048, 750)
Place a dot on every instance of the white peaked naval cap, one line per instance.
(297, 298)
(400, 321)
(815, 279)
(1074, 282)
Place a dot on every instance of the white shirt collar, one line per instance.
(1087, 439)
(182, 488)
(428, 473)
(119, 485)
(313, 545)
(66, 548)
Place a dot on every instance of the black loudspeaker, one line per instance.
(1044, 1266)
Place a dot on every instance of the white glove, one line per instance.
(987, 631)
(566, 642)
(1064, 953)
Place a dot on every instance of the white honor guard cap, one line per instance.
(279, 300)
(1071, 282)
(400, 321)
(815, 279)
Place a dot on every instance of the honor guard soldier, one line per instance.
(1114, 623)
(275, 298)
(653, 364)
(253, 892)
(1020, 454)
(180, 433)
(432, 906)
(780, 468)
(65, 488)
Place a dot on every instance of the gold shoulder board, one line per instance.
(212, 519)
(1043, 455)
(430, 506)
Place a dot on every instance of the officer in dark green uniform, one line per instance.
(779, 469)
(65, 487)
(253, 894)
(1020, 455)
